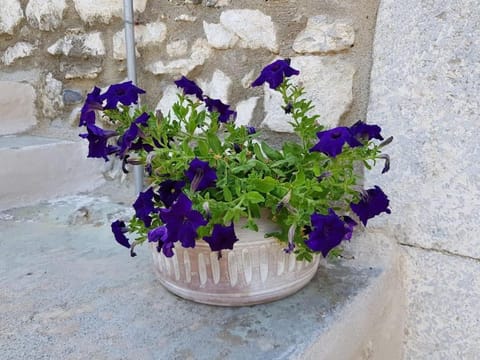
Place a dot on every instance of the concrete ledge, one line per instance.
(68, 291)
(37, 168)
(371, 326)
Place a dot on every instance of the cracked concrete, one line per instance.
(440, 251)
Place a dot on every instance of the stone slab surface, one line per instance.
(38, 168)
(17, 103)
(443, 316)
(69, 292)
(424, 92)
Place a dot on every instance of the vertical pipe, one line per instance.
(132, 73)
(130, 40)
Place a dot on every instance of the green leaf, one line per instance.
(229, 215)
(227, 194)
(251, 225)
(203, 147)
(186, 148)
(254, 197)
(254, 210)
(245, 167)
(264, 185)
(292, 148)
(271, 152)
(214, 143)
(258, 152)
(300, 178)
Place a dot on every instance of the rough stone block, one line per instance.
(219, 37)
(201, 51)
(80, 71)
(328, 83)
(10, 16)
(152, 34)
(254, 28)
(45, 14)
(218, 87)
(17, 51)
(51, 96)
(72, 96)
(77, 44)
(17, 105)
(245, 111)
(119, 48)
(322, 35)
(186, 18)
(177, 48)
(103, 11)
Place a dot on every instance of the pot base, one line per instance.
(254, 272)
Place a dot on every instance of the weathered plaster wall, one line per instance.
(62, 48)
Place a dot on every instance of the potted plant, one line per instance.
(231, 219)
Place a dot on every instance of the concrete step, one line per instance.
(69, 291)
(37, 168)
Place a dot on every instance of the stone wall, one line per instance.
(424, 91)
(52, 52)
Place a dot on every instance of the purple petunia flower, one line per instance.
(169, 191)
(140, 145)
(223, 237)
(128, 138)
(182, 221)
(189, 87)
(373, 203)
(215, 105)
(274, 73)
(328, 231)
(119, 229)
(93, 102)
(160, 236)
(362, 131)
(331, 141)
(167, 249)
(97, 142)
(349, 225)
(124, 93)
(200, 174)
(144, 206)
(142, 119)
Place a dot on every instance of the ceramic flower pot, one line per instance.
(256, 271)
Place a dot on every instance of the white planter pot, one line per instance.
(256, 271)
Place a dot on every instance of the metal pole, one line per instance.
(132, 73)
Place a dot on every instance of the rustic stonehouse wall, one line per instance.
(52, 52)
